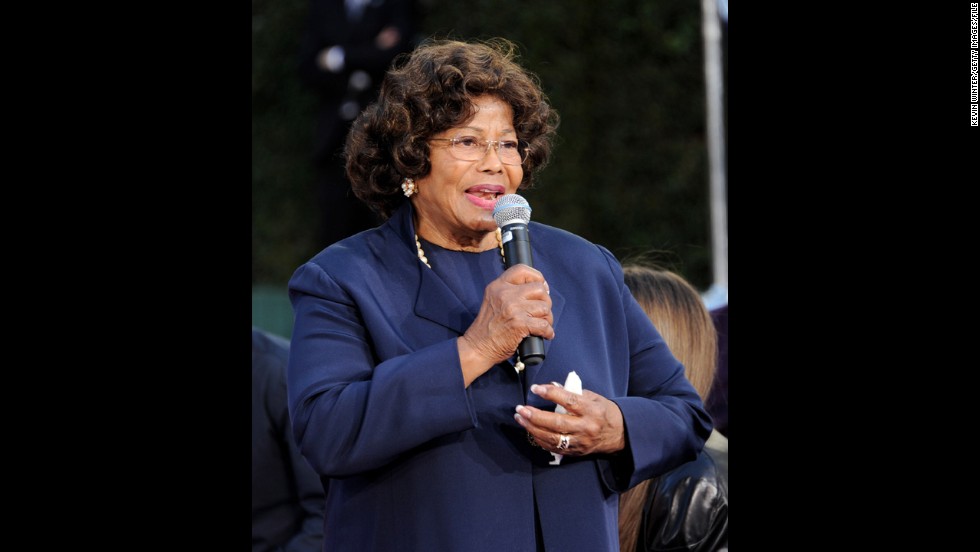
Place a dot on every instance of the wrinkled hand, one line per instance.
(594, 424)
(515, 305)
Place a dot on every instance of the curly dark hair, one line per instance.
(431, 90)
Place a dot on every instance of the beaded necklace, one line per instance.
(418, 247)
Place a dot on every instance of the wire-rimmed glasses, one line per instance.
(471, 148)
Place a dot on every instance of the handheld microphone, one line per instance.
(512, 214)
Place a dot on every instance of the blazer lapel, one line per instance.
(435, 301)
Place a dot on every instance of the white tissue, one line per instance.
(573, 383)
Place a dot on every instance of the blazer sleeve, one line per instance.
(665, 421)
(351, 413)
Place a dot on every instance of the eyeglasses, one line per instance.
(469, 148)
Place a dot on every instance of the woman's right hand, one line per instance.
(515, 305)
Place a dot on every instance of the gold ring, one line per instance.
(563, 442)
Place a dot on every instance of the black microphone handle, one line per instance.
(517, 250)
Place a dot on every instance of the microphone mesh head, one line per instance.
(511, 208)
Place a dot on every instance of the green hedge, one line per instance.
(631, 168)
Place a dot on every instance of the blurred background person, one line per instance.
(287, 496)
(687, 507)
(346, 49)
(717, 403)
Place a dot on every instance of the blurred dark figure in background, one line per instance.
(346, 50)
(287, 497)
(685, 508)
(717, 403)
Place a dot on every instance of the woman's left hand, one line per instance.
(593, 424)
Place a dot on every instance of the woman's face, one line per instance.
(455, 200)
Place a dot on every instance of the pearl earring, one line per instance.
(409, 187)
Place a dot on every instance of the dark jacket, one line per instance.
(420, 462)
(287, 497)
(687, 507)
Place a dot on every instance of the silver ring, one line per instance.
(563, 442)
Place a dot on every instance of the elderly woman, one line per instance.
(405, 391)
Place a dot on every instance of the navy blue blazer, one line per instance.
(415, 461)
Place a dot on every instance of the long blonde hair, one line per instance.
(678, 313)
